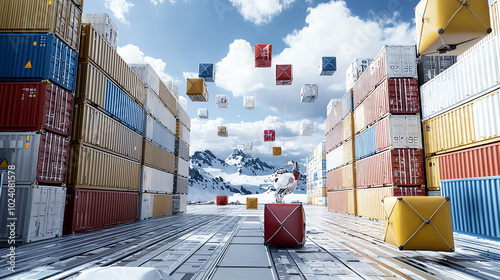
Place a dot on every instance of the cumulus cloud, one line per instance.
(189, 75)
(261, 11)
(287, 136)
(120, 9)
(330, 30)
(133, 55)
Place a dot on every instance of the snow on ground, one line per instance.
(268, 197)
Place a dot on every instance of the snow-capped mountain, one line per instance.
(237, 174)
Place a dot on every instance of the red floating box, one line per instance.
(284, 224)
(269, 135)
(284, 74)
(222, 200)
(263, 53)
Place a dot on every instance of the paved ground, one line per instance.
(211, 242)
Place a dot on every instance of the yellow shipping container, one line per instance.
(352, 203)
(432, 173)
(162, 205)
(419, 223)
(156, 157)
(451, 23)
(252, 203)
(61, 17)
(348, 151)
(369, 202)
(167, 98)
(196, 89)
(276, 151)
(347, 132)
(90, 84)
(348, 177)
(222, 131)
(320, 192)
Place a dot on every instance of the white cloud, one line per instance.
(189, 75)
(287, 136)
(132, 54)
(183, 101)
(330, 30)
(261, 11)
(120, 9)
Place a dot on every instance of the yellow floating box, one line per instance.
(196, 89)
(222, 131)
(252, 203)
(456, 24)
(276, 151)
(419, 223)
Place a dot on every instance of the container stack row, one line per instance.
(316, 176)
(461, 130)
(38, 66)
(182, 143)
(157, 163)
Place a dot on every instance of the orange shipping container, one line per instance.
(196, 89)
(342, 178)
(162, 205)
(342, 201)
(61, 17)
(156, 157)
(167, 98)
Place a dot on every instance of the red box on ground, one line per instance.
(222, 200)
(284, 224)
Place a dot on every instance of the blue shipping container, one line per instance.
(328, 65)
(37, 57)
(365, 143)
(123, 108)
(346, 104)
(475, 204)
(206, 72)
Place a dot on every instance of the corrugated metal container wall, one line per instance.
(474, 204)
(182, 167)
(339, 156)
(148, 76)
(183, 117)
(157, 109)
(96, 49)
(145, 206)
(92, 209)
(181, 185)
(156, 181)
(429, 66)
(398, 167)
(341, 201)
(183, 149)
(365, 143)
(162, 205)
(39, 213)
(122, 107)
(183, 205)
(159, 135)
(354, 71)
(157, 157)
(395, 61)
(60, 17)
(167, 98)
(184, 134)
(44, 158)
(35, 106)
(37, 57)
(347, 131)
(91, 85)
(432, 173)
(95, 128)
(473, 76)
(470, 125)
(334, 138)
(346, 104)
(91, 168)
(393, 96)
(341, 178)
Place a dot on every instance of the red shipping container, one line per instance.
(93, 209)
(393, 96)
(284, 224)
(284, 74)
(409, 191)
(222, 200)
(334, 138)
(334, 180)
(263, 54)
(398, 167)
(33, 106)
(483, 161)
(338, 201)
(269, 135)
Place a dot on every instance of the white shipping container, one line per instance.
(103, 24)
(309, 93)
(184, 198)
(182, 167)
(306, 128)
(222, 101)
(487, 117)
(335, 158)
(183, 116)
(172, 87)
(148, 76)
(39, 212)
(249, 102)
(155, 107)
(185, 135)
(146, 206)
(469, 78)
(156, 181)
(354, 71)
(159, 134)
(405, 132)
(203, 113)
(331, 105)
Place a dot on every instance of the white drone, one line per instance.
(285, 181)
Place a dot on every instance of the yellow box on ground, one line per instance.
(419, 223)
(252, 203)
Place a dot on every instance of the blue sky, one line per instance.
(174, 36)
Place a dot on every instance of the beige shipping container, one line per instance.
(93, 169)
(61, 17)
(94, 48)
(167, 98)
(347, 131)
(97, 129)
(162, 205)
(90, 85)
(369, 202)
(156, 157)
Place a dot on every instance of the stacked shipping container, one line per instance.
(37, 73)
(461, 129)
(157, 170)
(316, 176)
(182, 143)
